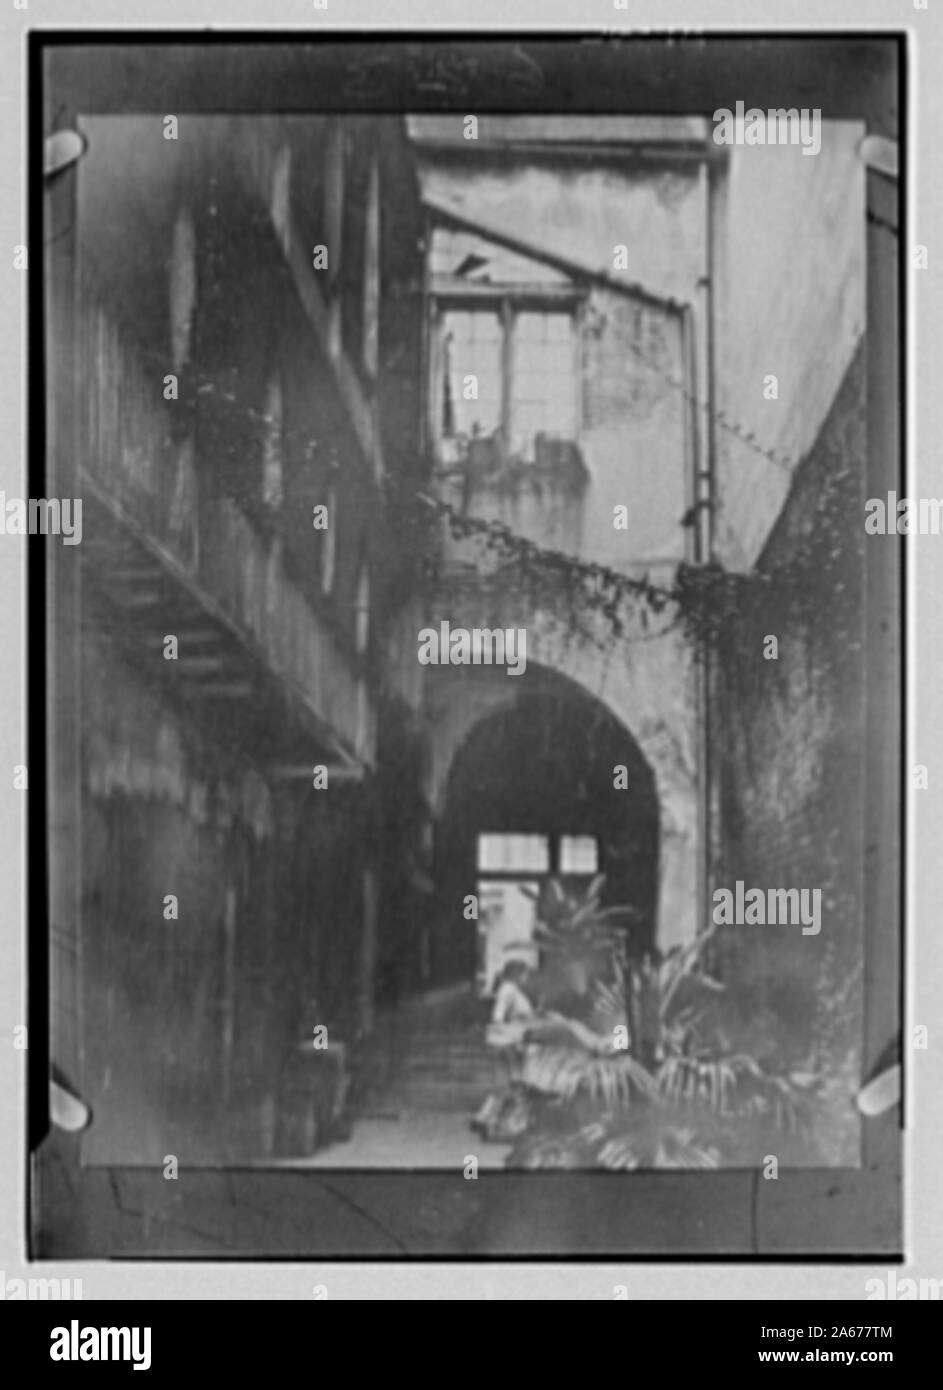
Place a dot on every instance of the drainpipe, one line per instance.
(706, 301)
(704, 447)
(691, 377)
(695, 400)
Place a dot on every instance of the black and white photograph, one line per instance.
(466, 621)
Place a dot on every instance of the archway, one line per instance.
(531, 793)
(511, 764)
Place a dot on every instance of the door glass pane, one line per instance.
(471, 347)
(506, 854)
(579, 854)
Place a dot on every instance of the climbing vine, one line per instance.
(699, 600)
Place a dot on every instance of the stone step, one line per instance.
(442, 1083)
(446, 1073)
(432, 1068)
(433, 1090)
(449, 1059)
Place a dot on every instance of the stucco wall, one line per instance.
(195, 1024)
(789, 736)
(632, 420)
(633, 446)
(776, 208)
(583, 211)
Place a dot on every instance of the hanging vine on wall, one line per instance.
(700, 600)
(712, 605)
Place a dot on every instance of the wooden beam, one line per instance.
(532, 250)
(454, 287)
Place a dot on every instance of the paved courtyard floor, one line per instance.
(409, 1140)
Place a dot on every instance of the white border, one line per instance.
(924, 1146)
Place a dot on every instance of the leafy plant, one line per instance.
(662, 1143)
(614, 1080)
(571, 922)
(578, 939)
(646, 1078)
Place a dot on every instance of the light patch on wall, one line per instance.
(182, 287)
(272, 480)
(281, 191)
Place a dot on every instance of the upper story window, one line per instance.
(543, 380)
(472, 347)
(507, 373)
(505, 354)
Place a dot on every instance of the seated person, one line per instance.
(512, 1004)
(512, 1013)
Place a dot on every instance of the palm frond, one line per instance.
(614, 1081)
(666, 1145)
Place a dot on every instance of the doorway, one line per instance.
(531, 797)
(513, 871)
